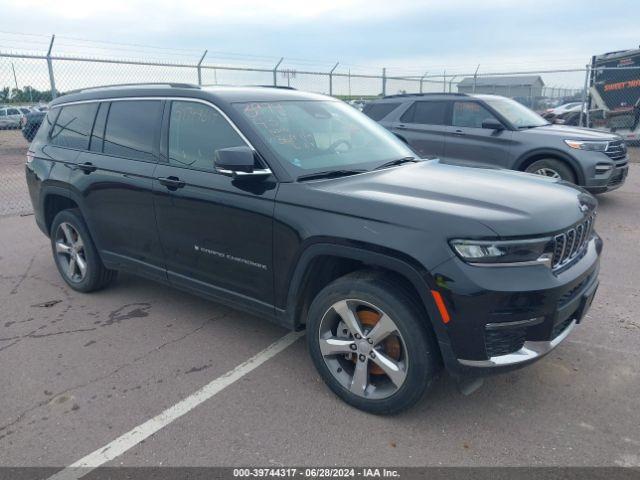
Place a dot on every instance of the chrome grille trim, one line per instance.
(571, 243)
(616, 150)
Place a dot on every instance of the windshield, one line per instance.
(516, 113)
(313, 136)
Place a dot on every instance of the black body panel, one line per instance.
(250, 242)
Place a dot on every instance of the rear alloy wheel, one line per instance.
(75, 254)
(371, 343)
(550, 167)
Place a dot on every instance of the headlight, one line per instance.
(498, 253)
(587, 145)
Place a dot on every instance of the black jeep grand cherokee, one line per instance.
(300, 209)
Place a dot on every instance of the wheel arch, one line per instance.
(54, 200)
(321, 263)
(539, 154)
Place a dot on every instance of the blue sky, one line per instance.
(409, 37)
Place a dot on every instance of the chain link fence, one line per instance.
(605, 96)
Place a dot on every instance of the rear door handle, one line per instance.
(172, 183)
(87, 167)
(401, 127)
(458, 132)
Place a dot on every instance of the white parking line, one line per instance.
(148, 428)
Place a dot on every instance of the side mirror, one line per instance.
(238, 162)
(492, 124)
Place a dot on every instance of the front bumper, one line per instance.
(614, 181)
(532, 350)
(505, 320)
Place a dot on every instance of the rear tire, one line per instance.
(75, 253)
(396, 357)
(550, 167)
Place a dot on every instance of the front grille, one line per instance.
(616, 150)
(560, 327)
(571, 243)
(504, 341)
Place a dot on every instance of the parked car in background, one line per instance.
(10, 117)
(562, 108)
(358, 104)
(570, 117)
(298, 208)
(494, 131)
(30, 124)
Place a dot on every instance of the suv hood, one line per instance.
(508, 203)
(573, 133)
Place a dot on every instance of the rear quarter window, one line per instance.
(45, 127)
(426, 113)
(377, 111)
(73, 126)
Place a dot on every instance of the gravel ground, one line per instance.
(77, 371)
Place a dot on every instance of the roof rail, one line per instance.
(276, 86)
(152, 84)
(453, 94)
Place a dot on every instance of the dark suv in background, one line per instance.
(494, 131)
(300, 209)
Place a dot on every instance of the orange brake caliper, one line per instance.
(390, 346)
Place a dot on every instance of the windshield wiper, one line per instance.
(328, 174)
(399, 161)
(533, 126)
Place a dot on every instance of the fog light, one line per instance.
(603, 167)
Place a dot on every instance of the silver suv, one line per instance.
(494, 131)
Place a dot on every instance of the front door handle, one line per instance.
(87, 167)
(172, 183)
(458, 132)
(401, 127)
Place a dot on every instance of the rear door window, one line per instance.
(73, 126)
(426, 113)
(377, 111)
(131, 129)
(13, 111)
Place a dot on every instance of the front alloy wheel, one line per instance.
(363, 349)
(371, 342)
(547, 172)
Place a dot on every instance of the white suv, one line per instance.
(10, 117)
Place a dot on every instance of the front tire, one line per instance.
(550, 167)
(75, 254)
(371, 343)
